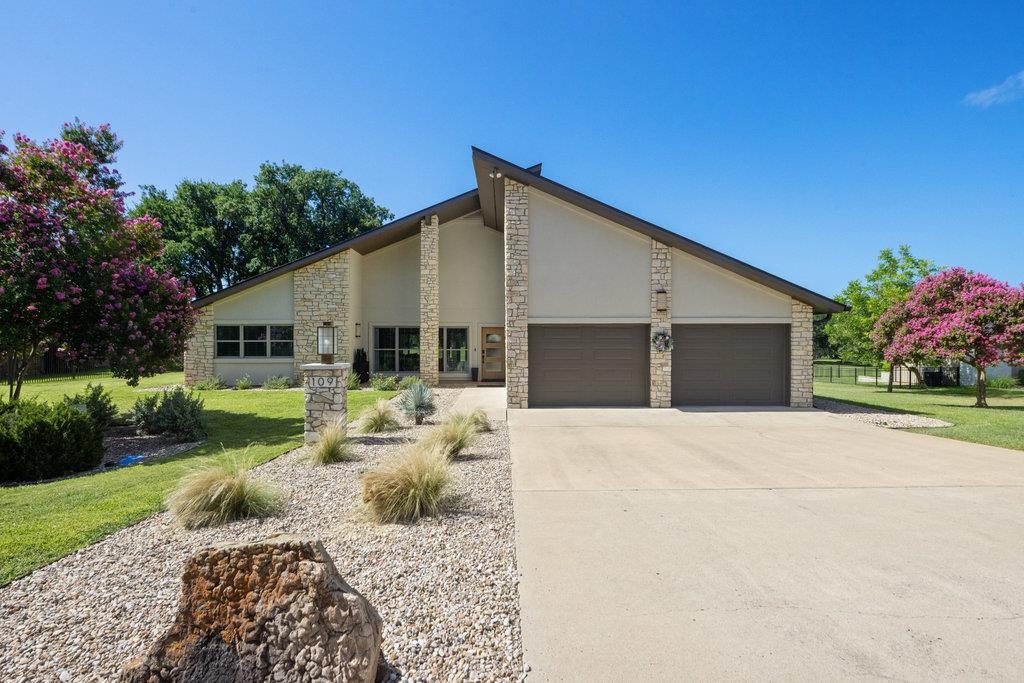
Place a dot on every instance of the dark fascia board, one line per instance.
(492, 192)
(389, 233)
(486, 160)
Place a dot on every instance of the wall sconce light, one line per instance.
(325, 342)
(359, 330)
(661, 300)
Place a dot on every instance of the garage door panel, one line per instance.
(730, 365)
(588, 365)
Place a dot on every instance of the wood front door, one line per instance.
(492, 353)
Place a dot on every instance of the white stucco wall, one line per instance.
(702, 292)
(391, 284)
(356, 309)
(265, 304)
(583, 267)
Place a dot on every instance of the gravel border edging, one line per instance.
(878, 416)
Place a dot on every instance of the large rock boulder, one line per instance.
(274, 610)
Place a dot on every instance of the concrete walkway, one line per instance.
(490, 399)
(785, 545)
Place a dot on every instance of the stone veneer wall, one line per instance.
(326, 400)
(517, 258)
(661, 321)
(199, 349)
(321, 295)
(801, 357)
(430, 312)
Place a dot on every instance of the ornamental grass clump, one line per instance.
(380, 417)
(220, 492)
(276, 382)
(417, 402)
(334, 446)
(415, 484)
(352, 383)
(452, 436)
(244, 383)
(480, 420)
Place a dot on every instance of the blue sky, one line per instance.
(801, 138)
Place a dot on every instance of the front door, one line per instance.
(492, 354)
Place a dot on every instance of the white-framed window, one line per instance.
(255, 341)
(453, 346)
(396, 349)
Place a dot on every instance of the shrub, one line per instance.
(417, 402)
(1003, 383)
(411, 486)
(384, 382)
(480, 420)
(42, 441)
(221, 492)
(452, 436)
(176, 412)
(352, 383)
(333, 446)
(99, 405)
(209, 384)
(408, 381)
(277, 382)
(244, 382)
(380, 417)
(361, 366)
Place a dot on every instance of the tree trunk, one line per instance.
(892, 373)
(980, 388)
(21, 363)
(917, 373)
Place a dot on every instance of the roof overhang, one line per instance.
(492, 192)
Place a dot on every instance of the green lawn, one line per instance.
(1001, 424)
(43, 522)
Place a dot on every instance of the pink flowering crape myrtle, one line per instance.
(956, 315)
(74, 271)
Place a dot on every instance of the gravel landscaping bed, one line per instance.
(878, 416)
(446, 588)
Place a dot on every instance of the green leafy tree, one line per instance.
(296, 212)
(203, 226)
(889, 283)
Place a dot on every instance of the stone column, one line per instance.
(661, 321)
(801, 357)
(517, 259)
(326, 397)
(321, 293)
(430, 313)
(199, 350)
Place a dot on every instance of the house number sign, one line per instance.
(321, 382)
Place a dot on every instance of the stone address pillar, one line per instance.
(326, 397)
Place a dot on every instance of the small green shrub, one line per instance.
(42, 441)
(417, 402)
(1003, 383)
(177, 412)
(380, 417)
(408, 381)
(244, 383)
(352, 383)
(333, 446)
(277, 382)
(452, 436)
(221, 492)
(413, 485)
(384, 382)
(209, 384)
(99, 405)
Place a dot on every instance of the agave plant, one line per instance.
(417, 402)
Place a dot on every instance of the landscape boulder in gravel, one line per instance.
(273, 610)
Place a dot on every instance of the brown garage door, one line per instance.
(721, 365)
(588, 365)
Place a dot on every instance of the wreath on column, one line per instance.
(661, 341)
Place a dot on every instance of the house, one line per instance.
(527, 281)
(969, 376)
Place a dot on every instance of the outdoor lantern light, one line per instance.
(325, 342)
(661, 300)
(359, 327)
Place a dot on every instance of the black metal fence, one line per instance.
(50, 367)
(873, 375)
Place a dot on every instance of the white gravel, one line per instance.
(877, 416)
(446, 589)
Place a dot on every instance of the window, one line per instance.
(255, 341)
(396, 349)
(453, 344)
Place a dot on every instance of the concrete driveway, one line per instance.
(769, 545)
